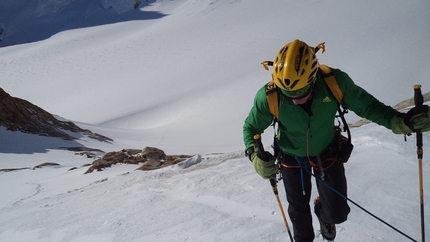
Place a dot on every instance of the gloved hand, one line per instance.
(398, 125)
(264, 166)
(415, 119)
(418, 118)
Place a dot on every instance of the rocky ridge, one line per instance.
(20, 115)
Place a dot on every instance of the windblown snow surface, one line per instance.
(181, 75)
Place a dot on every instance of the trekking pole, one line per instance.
(418, 99)
(262, 154)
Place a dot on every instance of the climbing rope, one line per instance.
(302, 163)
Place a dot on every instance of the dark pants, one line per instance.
(333, 210)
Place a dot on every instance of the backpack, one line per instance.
(333, 85)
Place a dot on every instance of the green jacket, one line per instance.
(299, 133)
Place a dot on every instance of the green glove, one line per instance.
(415, 119)
(266, 169)
(398, 125)
(418, 118)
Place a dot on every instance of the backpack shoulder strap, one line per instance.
(333, 85)
(273, 102)
(272, 98)
(331, 82)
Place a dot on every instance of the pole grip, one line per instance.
(260, 146)
(418, 96)
(419, 100)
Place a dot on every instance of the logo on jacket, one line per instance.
(326, 100)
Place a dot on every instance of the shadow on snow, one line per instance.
(40, 20)
(16, 142)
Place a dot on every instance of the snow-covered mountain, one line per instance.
(181, 75)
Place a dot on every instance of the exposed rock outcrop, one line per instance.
(46, 164)
(150, 157)
(20, 115)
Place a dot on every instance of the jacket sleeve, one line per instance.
(363, 103)
(259, 118)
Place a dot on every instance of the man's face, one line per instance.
(301, 99)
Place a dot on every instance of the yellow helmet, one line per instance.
(295, 68)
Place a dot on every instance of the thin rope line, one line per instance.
(301, 160)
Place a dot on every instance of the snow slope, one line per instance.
(180, 72)
(183, 79)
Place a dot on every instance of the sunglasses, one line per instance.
(301, 96)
